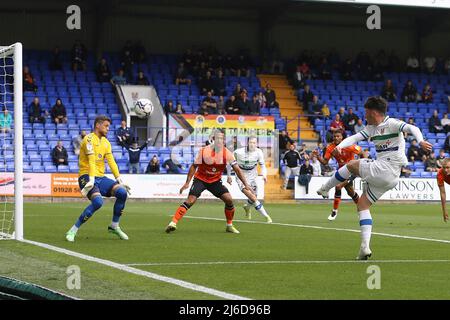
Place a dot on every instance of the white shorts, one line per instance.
(379, 176)
(250, 176)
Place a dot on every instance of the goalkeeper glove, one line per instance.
(127, 187)
(88, 186)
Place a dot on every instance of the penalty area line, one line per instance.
(326, 228)
(129, 269)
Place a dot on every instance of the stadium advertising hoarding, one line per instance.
(411, 189)
(158, 186)
(34, 184)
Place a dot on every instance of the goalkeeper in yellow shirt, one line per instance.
(94, 149)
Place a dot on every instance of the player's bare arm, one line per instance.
(443, 203)
(190, 174)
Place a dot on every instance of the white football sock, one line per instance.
(74, 228)
(260, 208)
(365, 222)
(340, 176)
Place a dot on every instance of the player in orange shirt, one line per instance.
(346, 155)
(207, 171)
(443, 177)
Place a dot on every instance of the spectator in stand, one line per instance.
(76, 142)
(427, 94)
(326, 111)
(127, 62)
(412, 64)
(316, 165)
(118, 79)
(298, 79)
(441, 158)
(134, 155)
(153, 165)
(304, 69)
(430, 64)
(181, 77)
(188, 60)
(359, 126)
(204, 110)
(445, 123)
(123, 134)
(241, 65)
(58, 112)
(406, 171)
(169, 107)
(103, 72)
(324, 69)
(171, 167)
(219, 84)
(179, 109)
(350, 120)
(55, 63)
(394, 62)
(255, 108)
(79, 56)
(283, 141)
(341, 112)
(347, 70)
(336, 125)
(409, 93)
(292, 159)
(315, 110)
(231, 105)
(35, 112)
(28, 80)
(221, 109)
(142, 80)
(59, 154)
(244, 104)
(210, 103)
(5, 121)
(306, 172)
(262, 100)
(237, 90)
(307, 97)
(207, 83)
(414, 152)
(431, 163)
(434, 123)
(271, 98)
(388, 91)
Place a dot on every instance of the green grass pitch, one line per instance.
(289, 259)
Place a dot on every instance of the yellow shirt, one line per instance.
(93, 152)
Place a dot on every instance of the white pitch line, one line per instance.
(167, 264)
(327, 228)
(151, 275)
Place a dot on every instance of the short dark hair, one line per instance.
(376, 103)
(101, 118)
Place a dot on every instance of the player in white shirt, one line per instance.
(248, 159)
(381, 174)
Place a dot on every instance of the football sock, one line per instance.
(337, 199)
(96, 204)
(182, 209)
(365, 222)
(260, 208)
(340, 176)
(119, 205)
(229, 214)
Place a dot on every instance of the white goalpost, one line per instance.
(11, 97)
